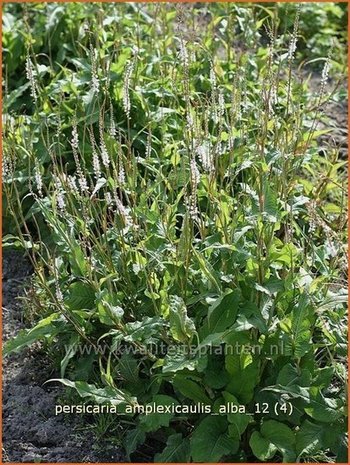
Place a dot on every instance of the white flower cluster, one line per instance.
(294, 38)
(72, 184)
(31, 78)
(75, 138)
(205, 157)
(212, 77)
(7, 165)
(96, 164)
(95, 158)
(59, 194)
(124, 212)
(75, 146)
(58, 292)
(121, 175)
(221, 105)
(95, 84)
(103, 148)
(149, 145)
(126, 86)
(326, 69)
(195, 175)
(38, 178)
(195, 178)
(184, 53)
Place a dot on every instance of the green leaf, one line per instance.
(262, 448)
(301, 324)
(144, 329)
(109, 311)
(323, 377)
(177, 450)
(77, 259)
(317, 406)
(133, 439)
(178, 362)
(81, 296)
(70, 352)
(153, 421)
(190, 389)
(238, 421)
(270, 203)
(282, 437)
(291, 375)
(223, 312)
(108, 394)
(184, 244)
(309, 438)
(322, 408)
(128, 368)
(48, 327)
(210, 441)
(182, 328)
(208, 270)
(244, 377)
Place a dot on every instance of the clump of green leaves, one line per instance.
(186, 226)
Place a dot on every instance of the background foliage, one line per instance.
(165, 168)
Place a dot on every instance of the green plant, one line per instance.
(186, 228)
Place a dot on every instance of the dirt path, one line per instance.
(31, 431)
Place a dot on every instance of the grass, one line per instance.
(165, 170)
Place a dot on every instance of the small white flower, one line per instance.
(38, 178)
(325, 71)
(59, 192)
(75, 145)
(190, 122)
(191, 204)
(331, 248)
(72, 184)
(75, 137)
(292, 48)
(212, 77)
(272, 98)
(124, 212)
(112, 129)
(83, 184)
(5, 167)
(184, 54)
(58, 293)
(103, 148)
(126, 97)
(221, 104)
(149, 145)
(121, 176)
(96, 164)
(95, 84)
(104, 154)
(195, 175)
(31, 77)
(205, 156)
(294, 37)
(231, 142)
(61, 204)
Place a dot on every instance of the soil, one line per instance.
(336, 117)
(31, 431)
